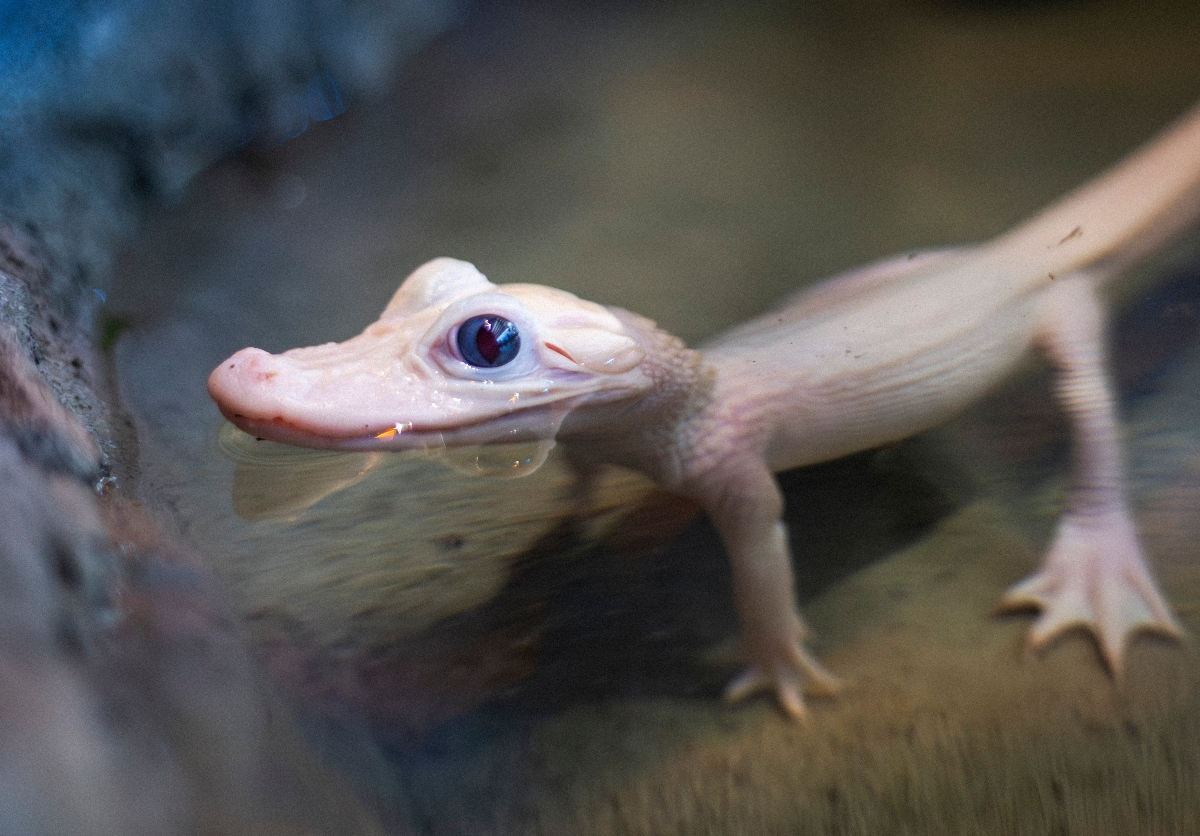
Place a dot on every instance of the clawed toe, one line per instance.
(752, 681)
(789, 679)
(1094, 577)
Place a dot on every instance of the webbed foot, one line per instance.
(1094, 576)
(788, 668)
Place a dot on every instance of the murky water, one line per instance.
(521, 655)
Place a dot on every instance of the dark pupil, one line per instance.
(487, 344)
(488, 341)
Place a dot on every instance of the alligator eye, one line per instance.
(488, 341)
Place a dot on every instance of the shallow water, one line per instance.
(499, 656)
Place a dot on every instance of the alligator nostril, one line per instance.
(253, 364)
(246, 369)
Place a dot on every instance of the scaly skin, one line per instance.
(863, 360)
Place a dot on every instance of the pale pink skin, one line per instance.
(865, 359)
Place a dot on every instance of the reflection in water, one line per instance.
(278, 480)
(498, 461)
(275, 480)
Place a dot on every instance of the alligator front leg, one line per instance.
(746, 506)
(1094, 575)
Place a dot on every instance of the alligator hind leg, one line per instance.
(1095, 574)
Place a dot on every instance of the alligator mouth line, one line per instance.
(400, 436)
(530, 423)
